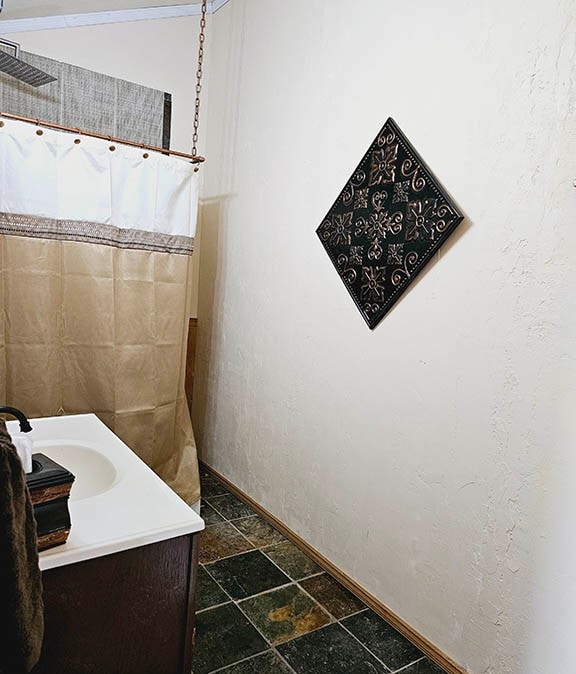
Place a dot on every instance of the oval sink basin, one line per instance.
(94, 473)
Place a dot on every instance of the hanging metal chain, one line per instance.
(199, 81)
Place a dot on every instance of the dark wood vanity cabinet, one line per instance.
(127, 613)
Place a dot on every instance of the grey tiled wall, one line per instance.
(91, 101)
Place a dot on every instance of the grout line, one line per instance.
(251, 549)
(273, 545)
(208, 501)
(237, 603)
(259, 594)
(266, 640)
(241, 534)
(209, 608)
(221, 513)
(228, 557)
(238, 662)
(326, 611)
(257, 516)
(204, 501)
(374, 654)
(254, 625)
(333, 619)
(362, 610)
(336, 620)
(278, 587)
(240, 601)
(301, 636)
(312, 575)
(247, 517)
(423, 644)
(220, 586)
(263, 551)
(365, 647)
(238, 554)
(315, 602)
(403, 669)
(283, 659)
(236, 519)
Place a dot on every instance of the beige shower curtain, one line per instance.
(90, 327)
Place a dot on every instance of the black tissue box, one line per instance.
(49, 485)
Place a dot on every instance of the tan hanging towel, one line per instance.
(21, 605)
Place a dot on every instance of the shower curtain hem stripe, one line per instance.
(93, 232)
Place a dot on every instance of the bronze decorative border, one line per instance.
(386, 224)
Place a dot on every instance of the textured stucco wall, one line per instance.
(428, 458)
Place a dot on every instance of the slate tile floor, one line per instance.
(264, 607)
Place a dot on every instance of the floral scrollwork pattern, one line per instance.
(373, 287)
(337, 230)
(350, 193)
(410, 168)
(395, 253)
(399, 275)
(389, 219)
(421, 219)
(348, 273)
(383, 165)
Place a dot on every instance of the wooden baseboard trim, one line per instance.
(435, 654)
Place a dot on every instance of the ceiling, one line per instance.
(31, 9)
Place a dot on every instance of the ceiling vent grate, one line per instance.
(12, 65)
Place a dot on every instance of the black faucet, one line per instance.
(24, 423)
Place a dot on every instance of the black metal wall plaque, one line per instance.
(386, 224)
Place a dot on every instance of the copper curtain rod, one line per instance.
(59, 127)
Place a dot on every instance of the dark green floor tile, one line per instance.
(246, 575)
(332, 596)
(292, 560)
(284, 613)
(209, 486)
(221, 540)
(209, 515)
(223, 636)
(208, 592)
(267, 663)
(382, 639)
(424, 666)
(330, 650)
(259, 532)
(230, 507)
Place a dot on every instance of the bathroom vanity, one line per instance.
(119, 595)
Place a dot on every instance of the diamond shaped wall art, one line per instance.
(386, 224)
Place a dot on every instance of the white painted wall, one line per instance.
(161, 54)
(427, 458)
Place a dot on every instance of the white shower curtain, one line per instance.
(95, 288)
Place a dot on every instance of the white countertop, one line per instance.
(117, 502)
